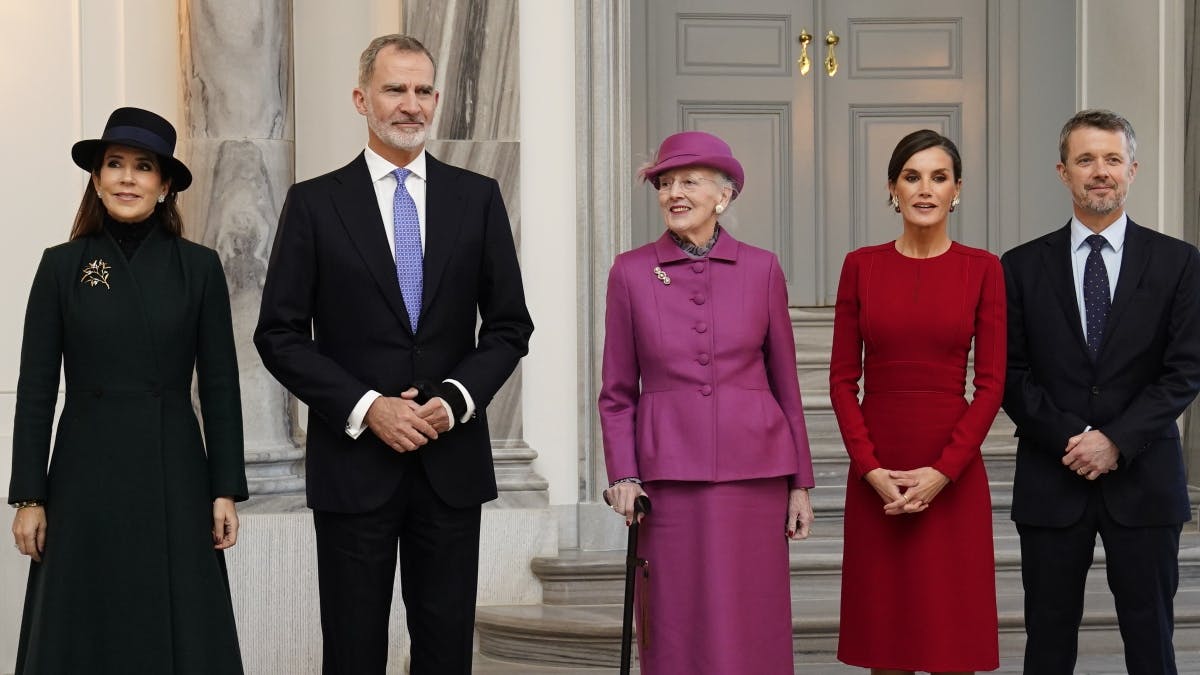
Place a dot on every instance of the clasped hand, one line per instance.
(1090, 454)
(404, 424)
(907, 491)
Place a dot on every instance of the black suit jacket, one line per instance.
(1146, 374)
(333, 325)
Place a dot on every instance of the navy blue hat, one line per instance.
(140, 129)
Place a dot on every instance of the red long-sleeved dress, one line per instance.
(918, 590)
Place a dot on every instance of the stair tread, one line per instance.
(818, 553)
(809, 614)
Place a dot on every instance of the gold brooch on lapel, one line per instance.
(95, 273)
(662, 276)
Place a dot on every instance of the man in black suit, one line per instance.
(377, 274)
(1103, 356)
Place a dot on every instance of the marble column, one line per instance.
(1191, 194)
(239, 142)
(474, 43)
(604, 188)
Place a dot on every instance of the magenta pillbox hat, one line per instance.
(696, 148)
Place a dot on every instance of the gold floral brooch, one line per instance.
(95, 273)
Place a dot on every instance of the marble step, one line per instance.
(597, 577)
(587, 635)
(1088, 664)
(1001, 466)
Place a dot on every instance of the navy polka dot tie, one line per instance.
(1096, 298)
(408, 247)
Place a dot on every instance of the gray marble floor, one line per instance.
(1103, 664)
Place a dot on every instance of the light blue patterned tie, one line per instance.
(408, 247)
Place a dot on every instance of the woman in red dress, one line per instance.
(918, 577)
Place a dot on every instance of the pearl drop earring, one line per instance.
(720, 209)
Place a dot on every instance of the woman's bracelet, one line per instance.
(628, 479)
(28, 503)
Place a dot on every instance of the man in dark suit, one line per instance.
(1103, 356)
(377, 274)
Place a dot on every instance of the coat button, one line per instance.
(1095, 391)
(703, 359)
(700, 327)
(697, 267)
(706, 390)
(698, 298)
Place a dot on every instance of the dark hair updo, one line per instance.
(916, 142)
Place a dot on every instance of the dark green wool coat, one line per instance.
(129, 581)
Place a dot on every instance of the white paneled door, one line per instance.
(815, 144)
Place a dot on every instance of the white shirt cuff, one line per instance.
(449, 412)
(356, 423)
(466, 397)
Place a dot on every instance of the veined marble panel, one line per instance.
(475, 45)
(238, 141)
(237, 66)
(233, 207)
(499, 159)
(519, 485)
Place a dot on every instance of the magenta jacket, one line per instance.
(700, 374)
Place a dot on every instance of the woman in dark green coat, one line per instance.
(127, 521)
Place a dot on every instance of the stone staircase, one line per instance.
(576, 630)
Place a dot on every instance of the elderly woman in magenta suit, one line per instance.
(127, 523)
(700, 409)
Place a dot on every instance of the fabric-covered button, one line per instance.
(703, 359)
(698, 298)
(697, 267)
(700, 327)
(706, 390)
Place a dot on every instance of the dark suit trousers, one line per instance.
(1143, 574)
(439, 568)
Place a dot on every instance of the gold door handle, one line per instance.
(804, 62)
(831, 64)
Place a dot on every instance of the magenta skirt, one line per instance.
(719, 595)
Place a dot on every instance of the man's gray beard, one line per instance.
(398, 139)
(1103, 206)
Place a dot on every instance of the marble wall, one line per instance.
(474, 45)
(238, 139)
(1191, 193)
(1191, 122)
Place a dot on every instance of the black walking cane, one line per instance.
(632, 562)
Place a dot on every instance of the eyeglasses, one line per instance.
(688, 185)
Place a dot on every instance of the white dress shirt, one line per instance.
(384, 182)
(1112, 254)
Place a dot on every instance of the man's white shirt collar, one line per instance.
(379, 167)
(1114, 234)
